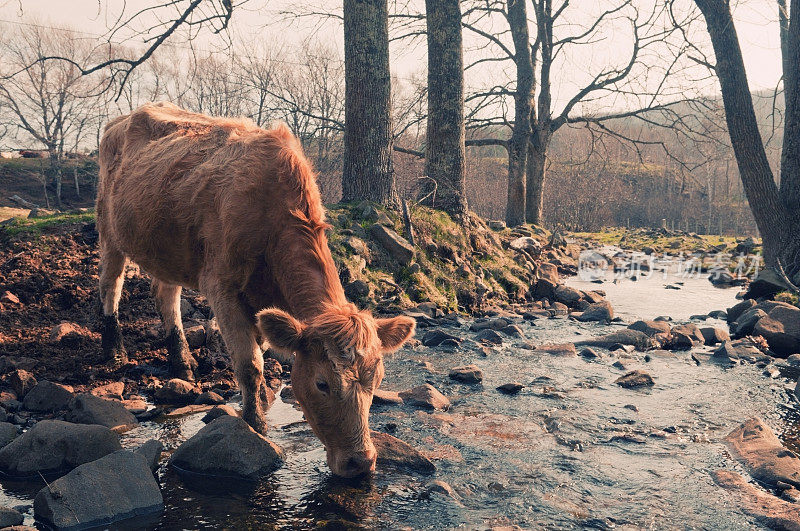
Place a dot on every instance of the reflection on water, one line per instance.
(585, 454)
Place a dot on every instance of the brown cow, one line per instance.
(234, 211)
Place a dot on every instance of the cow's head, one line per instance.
(338, 365)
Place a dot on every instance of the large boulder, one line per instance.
(766, 285)
(86, 408)
(56, 446)
(757, 447)
(228, 447)
(395, 245)
(113, 488)
(544, 289)
(47, 397)
(8, 432)
(599, 311)
(781, 328)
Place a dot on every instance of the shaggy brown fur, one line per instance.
(233, 210)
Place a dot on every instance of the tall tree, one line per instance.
(445, 152)
(638, 80)
(517, 15)
(367, 172)
(776, 210)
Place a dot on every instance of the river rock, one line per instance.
(599, 311)
(488, 335)
(10, 517)
(766, 285)
(544, 289)
(757, 447)
(686, 336)
(395, 245)
(209, 398)
(383, 397)
(67, 334)
(744, 325)
(738, 309)
(558, 349)
(8, 432)
(651, 328)
(567, 295)
(111, 391)
(510, 388)
(218, 411)
(640, 340)
(527, 244)
(21, 381)
(47, 397)
(635, 379)
(176, 391)
(395, 453)
(195, 335)
(513, 331)
(112, 488)
(781, 329)
(151, 451)
(56, 446)
(713, 335)
(425, 396)
(86, 408)
(228, 447)
(589, 353)
(466, 374)
(770, 510)
(434, 338)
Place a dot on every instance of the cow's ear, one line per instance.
(394, 332)
(282, 331)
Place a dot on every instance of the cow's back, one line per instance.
(177, 189)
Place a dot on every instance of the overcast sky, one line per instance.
(756, 22)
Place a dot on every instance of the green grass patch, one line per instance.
(35, 226)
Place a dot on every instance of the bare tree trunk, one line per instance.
(790, 154)
(777, 224)
(444, 153)
(367, 170)
(523, 97)
(535, 176)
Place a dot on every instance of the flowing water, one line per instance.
(570, 451)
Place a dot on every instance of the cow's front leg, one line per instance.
(238, 332)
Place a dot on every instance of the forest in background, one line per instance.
(690, 180)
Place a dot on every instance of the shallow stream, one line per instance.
(572, 450)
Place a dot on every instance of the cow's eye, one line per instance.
(323, 387)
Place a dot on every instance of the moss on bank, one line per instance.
(659, 240)
(460, 268)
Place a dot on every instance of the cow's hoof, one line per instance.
(111, 342)
(182, 363)
(116, 357)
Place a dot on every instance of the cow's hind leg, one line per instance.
(168, 300)
(238, 330)
(112, 267)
